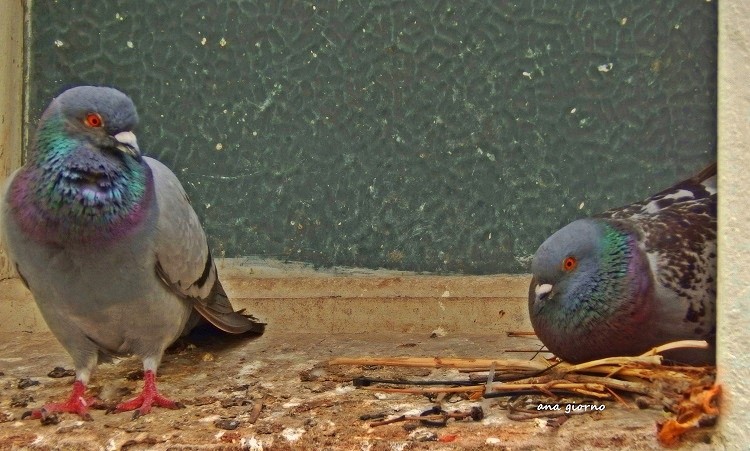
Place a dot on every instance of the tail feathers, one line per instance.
(705, 174)
(707, 178)
(702, 184)
(218, 311)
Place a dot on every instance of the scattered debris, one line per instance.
(438, 333)
(26, 382)
(698, 408)
(435, 416)
(292, 434)
(643, 377)
(135, 375)
(447, 438)
(228, 424)
(60, 372)
(255, 413)
(235, 402)
(50, 419)
(21, 399)
(322, 409)
(423, 435)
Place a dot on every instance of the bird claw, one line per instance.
(149, 397)
(77, 404)
(142, 404)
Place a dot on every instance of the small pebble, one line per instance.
(374, 416)
(26, 383)
(642, 402)
(557, 421)
(234, 402)
(227, 424)
(204, 401)
(423, 435)
(20, 400)
(50, 419)
(410, 426)
(134, 375)
(60, 372)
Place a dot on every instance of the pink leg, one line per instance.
(149, 397)
(77, 403)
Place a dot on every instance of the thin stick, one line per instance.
(652, 360)
(364, 381)
(617, 397)
(524, 350)
(617, 384)
(384, 422)
(591, 390)
(438, 362)
(490, 379)
(421, 391)
(437, 417)
(691, 344)
(531, 365)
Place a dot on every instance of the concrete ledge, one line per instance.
(295, 297)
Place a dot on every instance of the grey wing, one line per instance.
(678, 234)
(183, 259)
(696, 194)
(4, 216)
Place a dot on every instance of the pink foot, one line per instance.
(77, 403)
(149, 397)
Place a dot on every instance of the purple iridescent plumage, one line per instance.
(93, 216)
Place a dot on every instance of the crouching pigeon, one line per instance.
(107, 242)
(631, 278)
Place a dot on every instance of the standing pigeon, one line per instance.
(631, 278)
(108, 244)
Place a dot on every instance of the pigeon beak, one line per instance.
(542, 292)
(128, 144)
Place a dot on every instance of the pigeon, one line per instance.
(108, 244)
(632, 278)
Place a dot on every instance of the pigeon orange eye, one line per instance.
(94, 120)
(569, 264)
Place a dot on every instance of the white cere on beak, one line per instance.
(542, 289)
(129, 143)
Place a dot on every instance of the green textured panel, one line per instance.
(428, 136)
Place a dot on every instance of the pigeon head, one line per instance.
(584, 279)
(85, 177)
(97, 118)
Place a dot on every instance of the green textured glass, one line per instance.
(446, 136)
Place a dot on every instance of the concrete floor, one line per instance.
(306, 404)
